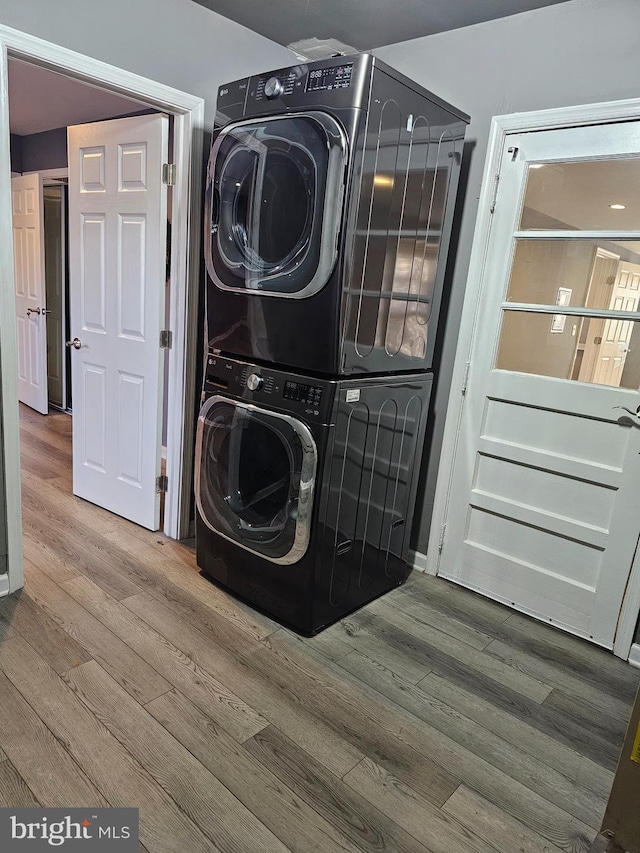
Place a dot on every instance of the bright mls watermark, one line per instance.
(79, 830)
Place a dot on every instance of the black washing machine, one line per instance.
(305, 487)
(329, 200)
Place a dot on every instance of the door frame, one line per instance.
(49, 182)
(188, 113)
(501, 128)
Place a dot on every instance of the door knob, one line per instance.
(46, 311)
(31, 311)
(76, 343)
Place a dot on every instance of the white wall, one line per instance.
(175, 42)
(579, 52)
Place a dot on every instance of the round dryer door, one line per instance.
(255, 475)
(274, 204)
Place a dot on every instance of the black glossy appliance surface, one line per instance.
(305, 487)
(330, 194)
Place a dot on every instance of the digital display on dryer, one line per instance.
(338, 77)
(309, 394)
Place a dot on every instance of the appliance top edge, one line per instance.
(362, 59)
(419, 89)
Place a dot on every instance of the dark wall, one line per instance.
(15, 144)
(46, 150)
(39, 151)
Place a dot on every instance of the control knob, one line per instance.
(273, 88)
(254, 382)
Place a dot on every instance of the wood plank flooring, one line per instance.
(432, 721)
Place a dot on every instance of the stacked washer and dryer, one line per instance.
(329, 200)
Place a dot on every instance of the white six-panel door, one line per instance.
(543, 500)
(31, 325)
(117, 240)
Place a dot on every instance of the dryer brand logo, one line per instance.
(86, 830)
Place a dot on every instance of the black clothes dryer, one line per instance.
(305, 488)
(329, 200)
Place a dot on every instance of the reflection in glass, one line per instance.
(591, 273)
(249, 484)
(593, 195)
(598, 351)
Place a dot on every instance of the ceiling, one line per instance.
(365, 24)
(42, 100)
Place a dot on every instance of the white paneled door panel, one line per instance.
(117, 232)
(543, 506)
(31, 324)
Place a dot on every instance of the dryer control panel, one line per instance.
(334, 83)
(308, 397)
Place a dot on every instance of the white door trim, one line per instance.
(501, 128)
(188, 112)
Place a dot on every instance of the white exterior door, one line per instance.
(31, 324)
(117, 240)
(543, 500)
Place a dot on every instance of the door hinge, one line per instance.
(465, 377)
(441, 539)
(169, 174)
(162, 484)
(492, 206)
(166, 339)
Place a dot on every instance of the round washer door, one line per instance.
(274, 204)
(254, 478)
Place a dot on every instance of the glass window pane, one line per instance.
(594, 195)
(591, 273)
(604, 352)
(250, 477)
(271, 204)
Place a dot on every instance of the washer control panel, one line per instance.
(309, 394)
(304, 396)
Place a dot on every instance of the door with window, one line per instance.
(544, 494)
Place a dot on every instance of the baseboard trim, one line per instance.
(418, 561)
(634, 655)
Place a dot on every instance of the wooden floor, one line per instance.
(432, 720)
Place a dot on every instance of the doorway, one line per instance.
(54, 197)
(118, 213)
(188, 113)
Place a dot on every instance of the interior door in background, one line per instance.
(31, 322)
(117, 244)
(543, 507)
(55, 275)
